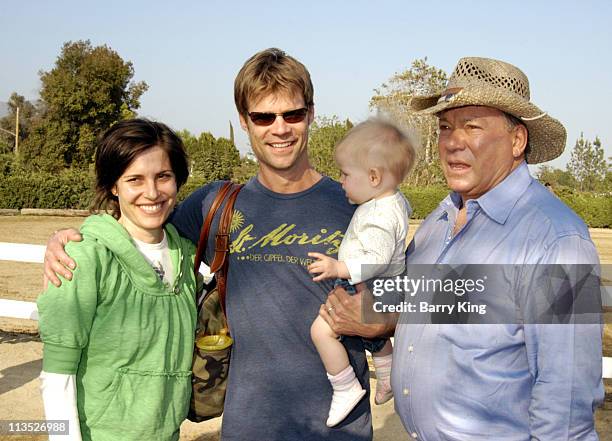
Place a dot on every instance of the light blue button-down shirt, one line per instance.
(500, 381)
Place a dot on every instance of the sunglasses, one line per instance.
(268, 118)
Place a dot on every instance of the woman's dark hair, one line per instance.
(121, 144)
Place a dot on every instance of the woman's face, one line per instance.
(147, 194)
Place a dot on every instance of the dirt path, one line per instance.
(21, 363)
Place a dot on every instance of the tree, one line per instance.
(211, 159)
(608, 181)
(391, 100)
(555, 177)
(189, 142)
(27, 116)
(87, 91)
(198, 149)
(587, 164)
(227, 158)
(246, 169)
(323, 136)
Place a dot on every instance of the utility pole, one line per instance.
(16, 134)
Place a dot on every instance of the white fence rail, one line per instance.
(18, 309)
(22, 252)
(19, 252)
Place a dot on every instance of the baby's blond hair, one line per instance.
(379, 143)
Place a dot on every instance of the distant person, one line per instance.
(517, 381)
(118, 337)
(374, 158)
(277, 385)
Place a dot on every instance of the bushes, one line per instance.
(423, 200)
(66, 189)
(594, 209)
(190, 186)
(74, 189)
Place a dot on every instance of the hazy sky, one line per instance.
(190, 52)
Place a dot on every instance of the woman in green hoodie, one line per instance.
(118, 337)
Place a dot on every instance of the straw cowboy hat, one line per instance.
(493, 83)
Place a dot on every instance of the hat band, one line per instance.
(534, 117)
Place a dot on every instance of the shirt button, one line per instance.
(406, 391)
(414, 435)
(410, 348)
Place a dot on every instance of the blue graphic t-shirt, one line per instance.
(277, 388)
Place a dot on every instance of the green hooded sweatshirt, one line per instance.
(126, 336)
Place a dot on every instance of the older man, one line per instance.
(497, 381)
(277, 388)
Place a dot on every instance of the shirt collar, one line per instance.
(498, 202)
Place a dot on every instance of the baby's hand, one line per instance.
(325, 266)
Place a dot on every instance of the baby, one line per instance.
(374, 158)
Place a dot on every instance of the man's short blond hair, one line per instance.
(271, 71)
(379, 143)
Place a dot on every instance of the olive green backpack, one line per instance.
(213, 342)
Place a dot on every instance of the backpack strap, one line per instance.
(201, 249)
(219, 266)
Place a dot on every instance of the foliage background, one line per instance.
(90, 88)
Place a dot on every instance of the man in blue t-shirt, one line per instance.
(277, 388)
